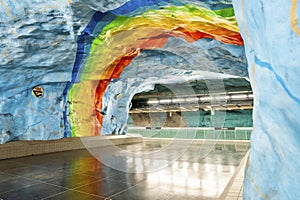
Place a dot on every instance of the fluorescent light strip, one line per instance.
(232, 95)
(152, 101)
(239, 96)
(206, 98)
(223, 97)
(191, 99)
(165, 101)
(178, 100)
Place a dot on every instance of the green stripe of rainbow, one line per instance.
(125, 37)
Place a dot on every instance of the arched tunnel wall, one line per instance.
(77, 51)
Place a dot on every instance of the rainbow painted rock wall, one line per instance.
(90, 58)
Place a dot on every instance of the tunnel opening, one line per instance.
(161, 111)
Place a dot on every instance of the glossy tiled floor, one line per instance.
(78, 175)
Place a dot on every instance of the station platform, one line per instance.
(124, 167)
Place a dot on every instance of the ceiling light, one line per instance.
(152, 101)
(192, 99)
(165, 101)
(177, 100)
(223, 97)
(239, 96)
(238, 92)
(206, 98)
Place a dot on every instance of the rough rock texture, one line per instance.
(271, 34)
(158, 42)
(177, 62)
(39, 47)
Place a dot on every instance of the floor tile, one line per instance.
(74, 195)
(72, 181)
(40, 174)
(34, 192)
(130, 178)
(4, 176)
(23, 170)
(139, 192)
(102, 172)
(146, 192)
(104, 187)
(11, 165)
(15, 183)
(51, 175)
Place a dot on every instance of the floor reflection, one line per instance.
(192, 177)
(79, 175)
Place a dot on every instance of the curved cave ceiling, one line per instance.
(91, 58)
(67, 67)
